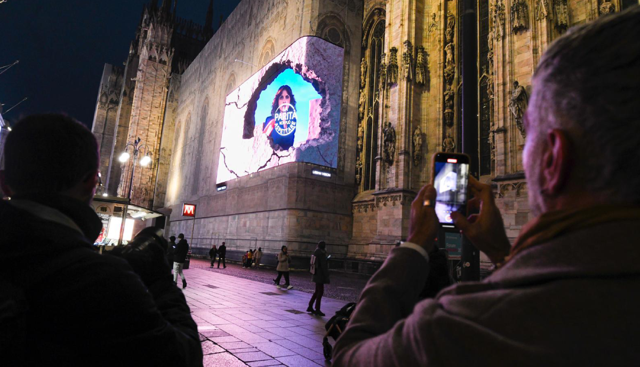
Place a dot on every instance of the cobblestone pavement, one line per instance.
(243, 320)
(344, 286)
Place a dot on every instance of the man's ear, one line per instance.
(88, 185)
(557, 161)
(3, 185)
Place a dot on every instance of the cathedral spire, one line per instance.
(166, 7)
(208, 25)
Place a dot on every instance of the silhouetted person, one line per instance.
(213, 252)
(567, 292)
(222, 254)
(78, 308)
(320, 277)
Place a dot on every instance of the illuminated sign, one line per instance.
(115, 224)
(452, 160)
(288, 111)
(188, 210)
(321, 173)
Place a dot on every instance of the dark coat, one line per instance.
(180, 255)
(222, 251)
(322, 267)
(95, 311)
(572, 301)
(213, 252)
(170, 252)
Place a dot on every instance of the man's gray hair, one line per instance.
(588, 84)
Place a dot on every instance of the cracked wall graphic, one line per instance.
(289, 111)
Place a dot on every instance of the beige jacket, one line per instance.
(283, 262)
(574, 301)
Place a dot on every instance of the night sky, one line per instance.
(63, 45)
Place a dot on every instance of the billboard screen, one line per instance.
(289, 111)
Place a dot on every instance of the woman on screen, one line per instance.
(281, 124)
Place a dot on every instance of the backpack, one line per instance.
(312, 264)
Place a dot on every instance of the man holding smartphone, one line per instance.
(558, 297)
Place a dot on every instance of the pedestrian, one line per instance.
(212, 254)
(171, 249)
(222, 254)
(249, 258)
(258, 256)
(283, 268)
(559, 295)
(320, 267)
(54, 285)
(180, 256)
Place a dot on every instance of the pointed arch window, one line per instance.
(373, 55)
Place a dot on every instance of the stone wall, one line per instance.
(285, 205)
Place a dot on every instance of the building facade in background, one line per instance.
(132, 100)
(396, 102)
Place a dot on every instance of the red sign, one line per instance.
(452, 160)
(188, 210)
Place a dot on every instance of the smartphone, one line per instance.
(450, 179)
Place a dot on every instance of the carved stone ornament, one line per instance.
(451, 27)
(363, 73)
(499, 19)
(519, 16)
(433, 25)
(389, 139)
(560, 15)
(392, 68)
(518, 105)
(358, 170)
(607, 7)
(542, 10)
(362, 104)
(417, 146)
(407, 60)
(449, 95)
(421, 66)
(448, 144)
(383, 72)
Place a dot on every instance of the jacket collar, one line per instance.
(61, 209)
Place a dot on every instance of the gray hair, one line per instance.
(588, 84)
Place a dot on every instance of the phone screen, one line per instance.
(451, 180)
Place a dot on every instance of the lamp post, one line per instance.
(144, 162)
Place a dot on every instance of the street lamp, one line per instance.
(144, 162)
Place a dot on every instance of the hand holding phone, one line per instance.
(450, 179)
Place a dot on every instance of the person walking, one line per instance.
(171, 249)
(258, 256)
(283, 268)
(222, 254)
(320, 267)
(180, 256)
(212, 254)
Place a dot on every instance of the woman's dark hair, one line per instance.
(322, 245)
(274, 105)
(282, 248)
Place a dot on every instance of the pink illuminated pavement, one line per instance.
(244, 322)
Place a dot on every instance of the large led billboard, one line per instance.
(289, 111)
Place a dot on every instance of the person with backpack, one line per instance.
(319, 267)
(67, 304)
